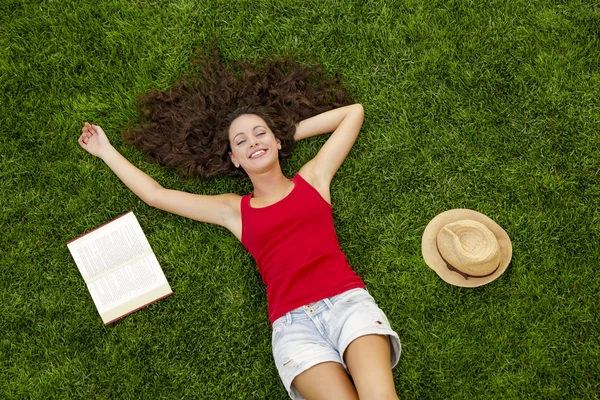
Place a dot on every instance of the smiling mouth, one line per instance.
(257, 153)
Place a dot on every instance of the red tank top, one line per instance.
(296, 249)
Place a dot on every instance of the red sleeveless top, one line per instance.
(296, 249)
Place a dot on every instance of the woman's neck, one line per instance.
(270, 185)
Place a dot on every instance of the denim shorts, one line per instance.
(321, 331)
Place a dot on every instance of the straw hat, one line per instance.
(466, 248)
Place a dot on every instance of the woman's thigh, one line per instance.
(368, 361)
(328, 380)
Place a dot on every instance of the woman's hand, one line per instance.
(94, 140)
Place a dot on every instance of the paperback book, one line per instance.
(119, 268)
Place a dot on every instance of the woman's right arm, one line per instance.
(221, 209)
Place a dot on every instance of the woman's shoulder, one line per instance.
(233, 200)
(310, 177)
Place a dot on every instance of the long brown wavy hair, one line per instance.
(186, 126)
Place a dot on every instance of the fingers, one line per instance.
(86, 133)
(84, 138)
(88, 129)
(82, 141)
(97, 129)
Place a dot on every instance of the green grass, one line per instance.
(489, 105)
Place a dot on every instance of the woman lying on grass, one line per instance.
(330, 339)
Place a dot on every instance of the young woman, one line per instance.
(330, 340)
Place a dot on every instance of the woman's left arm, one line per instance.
(345, 123)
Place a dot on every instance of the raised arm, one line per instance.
(221, 209)
(345, 123)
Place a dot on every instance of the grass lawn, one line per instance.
(488, 105)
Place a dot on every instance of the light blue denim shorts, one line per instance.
(321, 331)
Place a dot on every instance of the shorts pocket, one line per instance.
(278, 328)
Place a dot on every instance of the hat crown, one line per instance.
(470, 247)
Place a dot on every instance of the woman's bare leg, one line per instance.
(368, 360)
(328, 380)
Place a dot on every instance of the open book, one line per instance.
(119, 268)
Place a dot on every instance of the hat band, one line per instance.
(464, 275)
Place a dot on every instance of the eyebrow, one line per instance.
(243, 133)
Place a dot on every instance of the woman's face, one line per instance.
(253, 145)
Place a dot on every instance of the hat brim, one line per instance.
(432, 256)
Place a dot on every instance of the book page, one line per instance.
(133, 305)
(109, 247)
(127, 283)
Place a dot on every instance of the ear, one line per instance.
(278, 144)
(234, 160)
